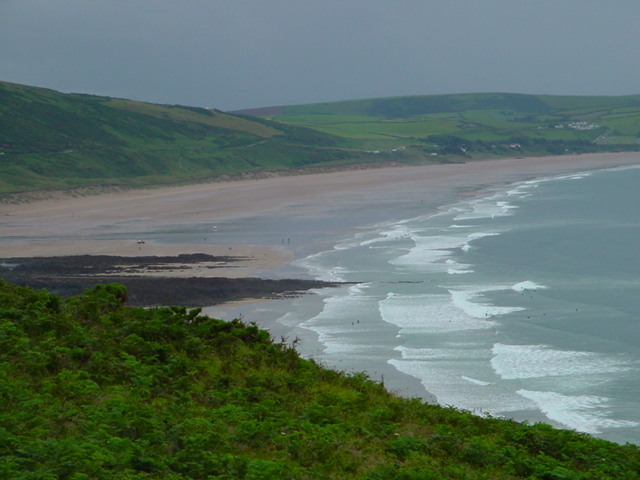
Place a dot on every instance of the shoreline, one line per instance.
(62, 219)
(149, 222)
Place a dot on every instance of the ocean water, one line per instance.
(523, 303)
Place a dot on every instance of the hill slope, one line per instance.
(488, 124)
(50, 140)
(59, 141)
(93, 389)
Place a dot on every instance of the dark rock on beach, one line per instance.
(71, 275)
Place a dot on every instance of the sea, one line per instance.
(522, 302)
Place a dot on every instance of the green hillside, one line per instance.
(50, 140)
(477, 125)
(91, 388)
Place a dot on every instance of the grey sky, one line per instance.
(234, 54)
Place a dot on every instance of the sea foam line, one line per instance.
(440, 372)
(487, 207)
(334, 324)
(467, 301)
(433, 253)
(428, 313)
(585, 413)
(538, 361)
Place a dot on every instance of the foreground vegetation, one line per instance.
(91, 388)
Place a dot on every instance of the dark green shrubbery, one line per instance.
(91, 388)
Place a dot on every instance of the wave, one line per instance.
(433, 253)
(428, 313)
(489, 207)
(465, 301)
(322, 268)
(439, 370)
(527, 285)
(584, 413)
(335, 325)
(475, 381)
(536, 361)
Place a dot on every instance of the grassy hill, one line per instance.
(91, 388)
(50, 140)
(488, 124)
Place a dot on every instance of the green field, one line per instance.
(480, 123)
(55, 141)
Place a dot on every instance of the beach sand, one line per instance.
(115, 223)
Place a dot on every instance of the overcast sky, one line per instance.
(235, 54)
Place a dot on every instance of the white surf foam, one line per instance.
(475, 381)
(455, 268)
(458, 271)
(521, 191)
(335, 274)
(433, 253)
(428, 313)
(579, 176)
(468, 302)
(359, 288)
(351, 241)
(451, 352)
(390, 233)
(322, 268)
(536, 361)
(333, 324)
(527, 285)
(429, 253)
(439, 369)
(475, 236)
(488, 207)
(585, 413)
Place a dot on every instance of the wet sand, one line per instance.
(117, 223)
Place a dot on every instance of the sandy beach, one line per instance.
(118, 223)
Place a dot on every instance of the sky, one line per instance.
(238, 54)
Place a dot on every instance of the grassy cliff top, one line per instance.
(91, 388)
